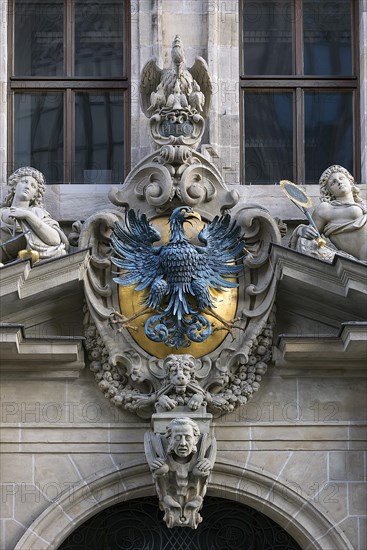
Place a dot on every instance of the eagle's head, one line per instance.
(184, 213)
(177, 51)
(178, 217)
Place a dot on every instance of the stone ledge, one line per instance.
(345, 354)
(70, 202)
(21, 278)
(128, 439)
(39, 358)
(337, 278)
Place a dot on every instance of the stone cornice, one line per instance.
(329, 293)
(339, 277)
(38, 358)
(310, 355)
(32, 295)
(20, 278)
(332, 299)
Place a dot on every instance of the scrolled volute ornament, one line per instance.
(174, 175)
(197, 185)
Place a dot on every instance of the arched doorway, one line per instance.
(304, 520)
(138, 525)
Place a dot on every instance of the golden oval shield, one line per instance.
(131, 302)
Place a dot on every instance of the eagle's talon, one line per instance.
(116, 314)
(125, 326)
(124, 321)
(226, 325)
(114, 321)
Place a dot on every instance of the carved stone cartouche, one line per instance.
(180, 392)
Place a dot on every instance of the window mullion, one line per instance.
(10, 134)
(69, 96)
(69, 125)
(69, 37)
(299, 136)
(298, 36)
(356, 135)
(356, 95)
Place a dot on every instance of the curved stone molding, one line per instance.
(305, 521)
(174, 176)
(110, 355)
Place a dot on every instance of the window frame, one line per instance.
(299, 83)
(69, 85)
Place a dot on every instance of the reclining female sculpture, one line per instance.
(341, 216)
(24, 222)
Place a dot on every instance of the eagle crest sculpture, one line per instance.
(177, 87)
(178, 274)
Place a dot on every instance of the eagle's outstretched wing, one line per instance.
(200, 73)
(150, 78)
(223, 246)
(135, 254)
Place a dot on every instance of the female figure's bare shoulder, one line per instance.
(323, 209)
(340, 217)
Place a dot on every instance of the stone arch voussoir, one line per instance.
(308, 525)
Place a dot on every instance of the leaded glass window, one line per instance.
(69, 87)
(303, 54)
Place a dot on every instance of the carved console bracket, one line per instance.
(181, 452)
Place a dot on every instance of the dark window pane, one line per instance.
(268, 137)
(267, 48)
(99, 137)
(38, 38)
(328, 132)
(98, 38)
(38, 133)
(327, 37)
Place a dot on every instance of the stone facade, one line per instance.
(296, 452)
(211, 30)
